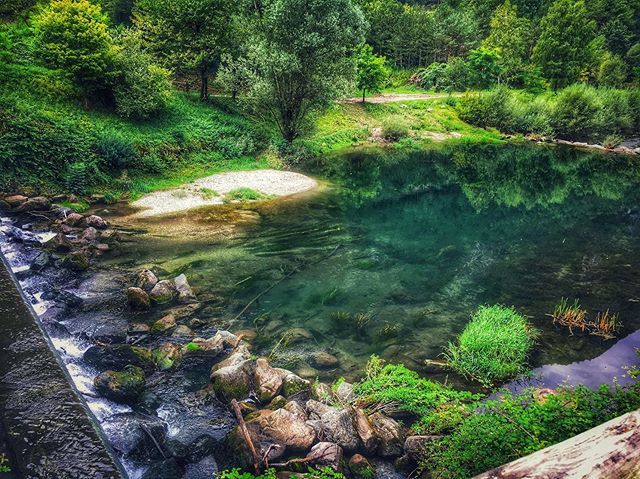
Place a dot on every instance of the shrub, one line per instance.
(395, 129)
(143, 88)
(575, 112)
(116, 153)
(612, 141)
(493, 346)
(615, 115)
(612, 71)
(79, 177)
(493, 108)
(503, 430)
(244, 194)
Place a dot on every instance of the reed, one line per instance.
(570, 315)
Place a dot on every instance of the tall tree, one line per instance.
(372, 71)
(189, 35)
(510, 37)
(561, 50)
(303, 57)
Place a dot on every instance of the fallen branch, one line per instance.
(245, 434)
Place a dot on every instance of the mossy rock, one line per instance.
(121, 386)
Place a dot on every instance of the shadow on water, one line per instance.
(44, 429)
(422, 239)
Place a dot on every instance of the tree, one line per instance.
(485, 67)
(371, 70)
(142, 87)
(509, 36)
(565, 32)
(188, 35)
(612, 71)
(303, 57)
(73, 35)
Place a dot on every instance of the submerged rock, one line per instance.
(121, 386)
(136, 436)
(41, 261)
(138, 299)
(167, 469)
(324, 360)
(77, 260)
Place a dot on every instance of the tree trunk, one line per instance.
(363, 94)
(609, 451)
(204, 84)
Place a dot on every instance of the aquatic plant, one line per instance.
(387, 331)
(570, 315)
(493, 347)
(606, 325)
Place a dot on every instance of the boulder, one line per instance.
(164, 324)
(77, 260)
(370, 441)
(118, 356)
(167, 469)
(325, 454)
(73, 219)
(361, 468)
(135, 435)
(210, 347)
(163, 292)
(416, 446)
(96, 222)
(138, 329)
(297, 410)
(339, 428)
(146, 280)
(234, 381)
(277, 402)
(15, 200)
(205, 468)
(121, 386)
(37, 203)
(267, 381)
(292, 384)
(59, 243)
(41, 261)
(185, 293)
(316, 409)
(390, 433)
(138, 299)
(90, 234)
(283, 427)
(228, 340)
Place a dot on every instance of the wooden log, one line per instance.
(609, 451)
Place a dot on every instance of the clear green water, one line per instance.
(414, 242)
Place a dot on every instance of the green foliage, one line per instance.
(564, 32)
(188, 35)
(79, 177)
(491, 109)
(503, 430)
(394, 387)
(115, 152)
(73, 35)
(455, 75)
(395, 128)
(486, 67)
(302, 58)
(493, 347)
(612, 71)
(142, 88)
(575, 112)
(312, 473)
(371, 71)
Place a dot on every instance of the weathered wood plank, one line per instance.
(609, 451)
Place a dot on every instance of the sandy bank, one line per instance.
(211, 190)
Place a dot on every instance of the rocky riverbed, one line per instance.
(175, 396)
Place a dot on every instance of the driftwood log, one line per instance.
(609, 451)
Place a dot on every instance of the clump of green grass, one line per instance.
(80, 206)
(245, 194)
(208, 193)
(493, 347)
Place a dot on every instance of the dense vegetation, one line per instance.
(493, 346)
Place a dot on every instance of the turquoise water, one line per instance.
(393, 255)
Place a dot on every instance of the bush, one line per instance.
(493, 347)
(143, 89)
(574, 115)
(116, 153)
(454, 75)
(612, 71)
(79, 177)
(503, 430)
(615, 115)
(491, 109)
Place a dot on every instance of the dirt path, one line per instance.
(396, 97)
